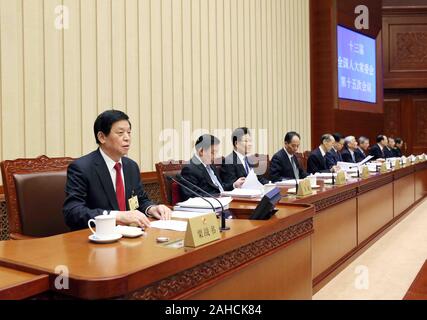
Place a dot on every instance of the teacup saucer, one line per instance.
(109, 239)
(129, 232)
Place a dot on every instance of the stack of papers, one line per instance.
(244, 193)
(348, 166)
(202, 204)
(325, 175)
(287, 183)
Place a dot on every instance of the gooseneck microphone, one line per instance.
(223, 225)
(192, 191)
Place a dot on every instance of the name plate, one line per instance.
(304, 188)
(201, 230)
(397, 164)
(383, 168)
(340, 180)
(365, 172)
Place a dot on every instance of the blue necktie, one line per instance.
(214, 178)
(246, 164)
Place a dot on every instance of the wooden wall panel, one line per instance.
(189, 66)
(405, 47)
(326, 115)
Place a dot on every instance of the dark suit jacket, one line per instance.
(359, 154)
(317, 162)
(388, 153)
(376, 152)
(397, 152)
(233, 169)
(281, 167)
(89, 189)
(332, 158)
(346, 156)
(196, 173)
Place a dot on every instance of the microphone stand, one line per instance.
(223, 225)
(193, 192)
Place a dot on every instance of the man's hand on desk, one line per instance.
(239, 182)
(160, 212)
(135, 218)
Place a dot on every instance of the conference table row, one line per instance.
(286, 257)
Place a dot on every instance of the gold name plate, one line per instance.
(365, 172)
(340, 180)
(304, 188)
(202, 230)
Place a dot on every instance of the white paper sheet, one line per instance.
(346, 166)
(201, 203)
(175, 225)
(252, 182)
(244, 193)
(186, 214)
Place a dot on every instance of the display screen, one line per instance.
(356, 66)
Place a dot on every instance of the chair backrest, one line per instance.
(303, 158)
(164, 170)
(262, 165)
(35, 191)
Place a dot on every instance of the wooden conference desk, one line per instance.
(275, 259)
(350, 216)
(254, 260)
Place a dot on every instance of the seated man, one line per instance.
(363, 149)
(105, 179)
(349, 152)
(202, 172)
(388, 150)
(317, 161)
(238, 163)
(284, 165)
(334, 155)
(398, 147)
(377, 149)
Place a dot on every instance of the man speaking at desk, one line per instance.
(105, 179)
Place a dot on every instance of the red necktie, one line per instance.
(120, 190)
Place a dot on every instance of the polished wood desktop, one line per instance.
(254, 260)
(350, 216)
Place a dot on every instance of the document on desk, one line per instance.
(244, 193)
(347, 166)
(252, 182)
(175, 225)
(202, 202)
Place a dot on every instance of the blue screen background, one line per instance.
(356, 66)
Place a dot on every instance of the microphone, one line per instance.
(358, 172)
(223, 226)
(193, 192)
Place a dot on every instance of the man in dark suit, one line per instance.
(238, 163)
(317, 160)
(377, 149)
(202, 172)
(398, 148)
(363, 149)
(388, 150)
(333, 155)
(103, 181)
(349, 152)
(284, 165)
